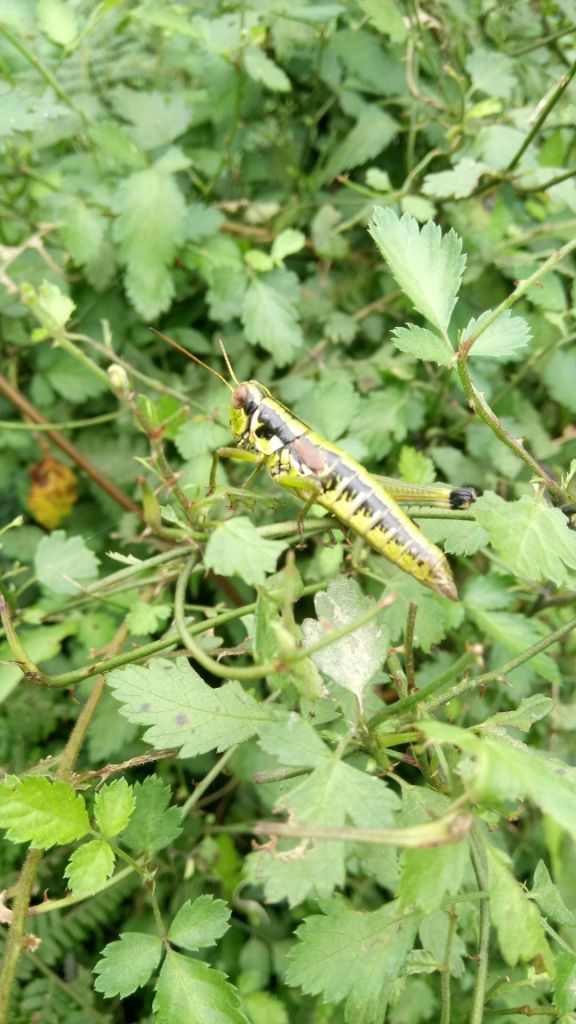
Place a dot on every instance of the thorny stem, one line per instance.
(267, 668)
(24, 886)
(435, 693)
(452, 828)
(555, 95)
(480, 406)
(479, 863)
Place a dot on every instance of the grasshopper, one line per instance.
(307, 465)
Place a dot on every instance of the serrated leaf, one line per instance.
(69, 377)
(456, 537)
(531, 709)
(547, 896)
(83, 230)
(184, 711)
(235, 548)
(200, 923)
(154, 823)
(353, 955)
(89, 867)
(429, 874)
(270, 317)
(531, 538)
(427, 265)
(147, 618)
(127, 964)
(516, 919)
(491, 72)
(423, 344)
(504, 340)
(516, 633)
(459, 182)
(388, 416)
(435, 613)
(42, 812)
(286, 244)
(352, 661)
(415, 467)
(263, 69)
(51, 307)
(191, 992)
(151, 224)
(565, 983)
(157, 117)
(63, 564)
(113, 807)
(372, 133)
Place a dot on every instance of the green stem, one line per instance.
(92, 421)
(48, 906)
(207, 781)
(42, 70)
(452, 828)
(409, 646)
(480, 865)
(446, 973)
(15, 937)
(253, 672)
(550, 183)
(480, 406)
(437, 685)
(82, 358)
(555, 95)
(514, 296)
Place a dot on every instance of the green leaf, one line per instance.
(456, 183)
(157, 117)
(82, 229)
(41, 644)
(491, 72)
(200, 923)
(427, 265)
(504, 340)
(63, 564)
(353, 955)
(423, 344)
(57, 21)
(547, 896)
(184, 711)
(415, 467)
(428, 875)
(531, 709)
(191, 992)
(270, 316)
(516, 919)
(127, 964)
(330, 406)
(69, 377)
(235, 548)
(154, 824)
(560, 378)
(352, 661)
(49, 305)
(41, 812)
(151, 224)
(435, 613)
(387, 416)
(89, 867)
(113, 807)
(263, 69)
(516, 633)
(372, 133)
(146, 618)
(456, 537)
(386, 18)
(530, 537)
(565, 982)
(286, 244)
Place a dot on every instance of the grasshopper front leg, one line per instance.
(239, 455)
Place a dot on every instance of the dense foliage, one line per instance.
(254, 772)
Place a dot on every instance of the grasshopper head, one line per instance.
(246, 398)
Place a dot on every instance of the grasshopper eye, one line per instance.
(240, 396)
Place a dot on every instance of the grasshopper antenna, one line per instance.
(227, 361)
(195, 359)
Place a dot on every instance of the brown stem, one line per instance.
(28, 409)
